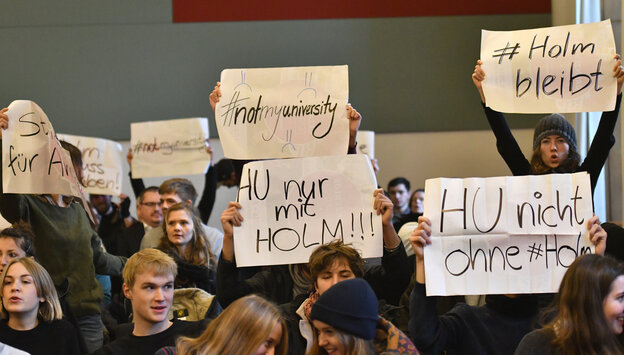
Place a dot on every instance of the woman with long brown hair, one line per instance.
(184, 240)
(589, 311)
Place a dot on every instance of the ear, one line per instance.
(189, 202)
(127, 291)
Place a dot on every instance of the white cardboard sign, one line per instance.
(101, 163)
(283, 112)
(169, 147)
(505, 234)
(291, 206)
(553, 69)
(33, 160)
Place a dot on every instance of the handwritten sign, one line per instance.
(283, 112)
(33, 161)
(170, 147)
(505, 234)
(292, 206)
(366, 143)
(101, 163)
(555, 69)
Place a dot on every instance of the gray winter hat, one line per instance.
(554, 124)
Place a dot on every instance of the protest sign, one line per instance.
(554, 69)
(366, 143)
(291, 206)
(283, 112)
(505, 234)
(101, 164)
(169, 147)
(33, 160)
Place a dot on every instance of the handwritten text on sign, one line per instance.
(170, 147)
(101, 162)
(505, 234)
(555, 69)
(283, 112)
(292, 206)
(33, 161)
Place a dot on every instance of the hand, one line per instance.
(4, 120)
(375, 165)
(478, 75)
(383, 206)
(355, 119)
(209, 149)
(618, 72)
(421, 236)
(231, 218)
(124, 205)
(215, 96)
(129, 157)
(597, 235)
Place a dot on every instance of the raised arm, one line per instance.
(390, 279)
(604, 139)
(506, 144)
(137, 184)
(355, 119)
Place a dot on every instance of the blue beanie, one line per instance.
(349, 306)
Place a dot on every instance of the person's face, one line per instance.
(418, 202)
(149, 210)
(179, 228)
(328, 338)
(613, 305)
(101, 202)
(399, 196)
(169, 199)
(338, 271)
(273, 341)
(19, 293)
(9, 250)
(554, 149)
(151, 297)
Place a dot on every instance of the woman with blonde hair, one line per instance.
(185, 241)
(250, 325)
(31, 312)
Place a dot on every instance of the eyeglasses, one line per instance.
(151, 204)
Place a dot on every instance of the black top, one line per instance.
(57, 337)
(495, 328)
(537, 342)
(596, 156)
(148, 345)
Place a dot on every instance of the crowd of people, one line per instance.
(166, 283)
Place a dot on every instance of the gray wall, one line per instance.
(96, 66)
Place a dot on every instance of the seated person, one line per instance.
(346, 322)
(174, 191)
(187, 244)
(495, 328)
(588, 311)
(32, 319)
(148, 284)
(15, 242)
(255, 323)
(149, 216)
(329, 264)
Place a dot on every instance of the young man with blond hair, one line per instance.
(148, 283)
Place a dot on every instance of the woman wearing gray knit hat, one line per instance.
(554, 140)
(346, 322)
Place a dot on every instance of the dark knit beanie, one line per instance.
(349, 306)
(554, 124)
